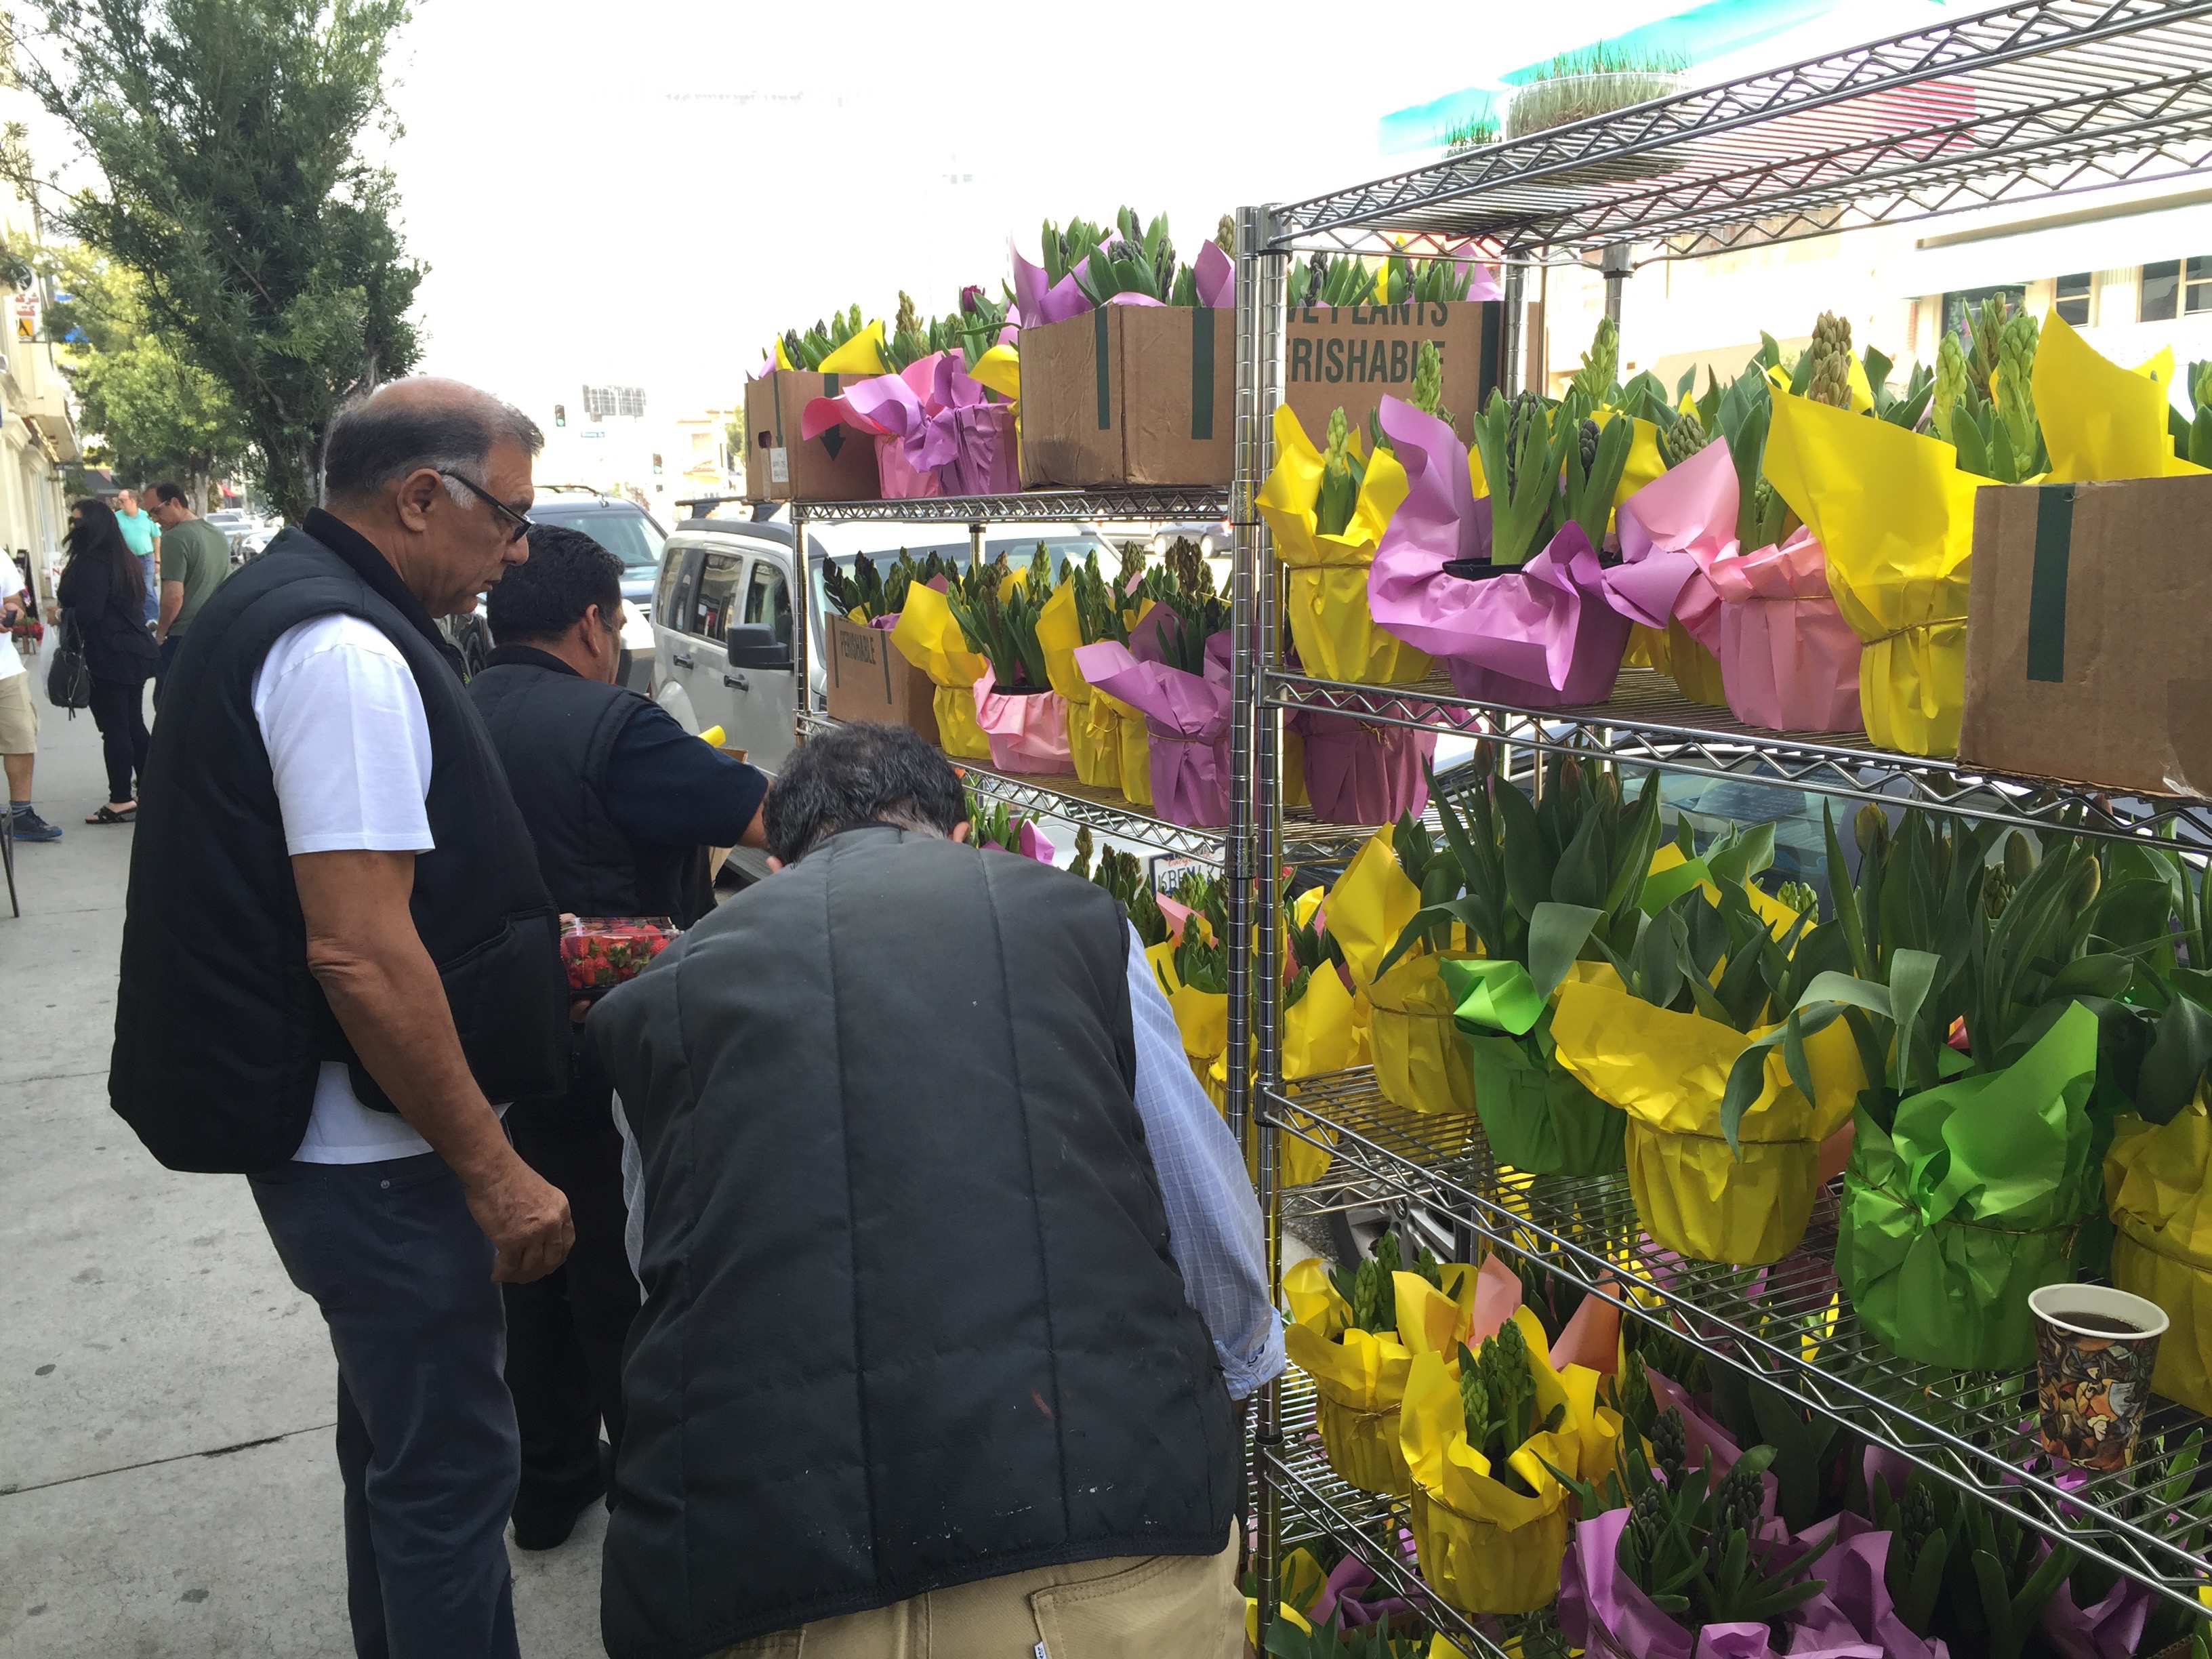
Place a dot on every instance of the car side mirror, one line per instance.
(754, 645)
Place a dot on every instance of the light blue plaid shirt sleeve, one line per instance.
(1213, 1217)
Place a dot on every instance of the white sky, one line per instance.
(645, 192)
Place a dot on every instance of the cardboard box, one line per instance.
(1350, 356)
(869, 680)
(840, 465)
(2086, 645)
(1130, 395)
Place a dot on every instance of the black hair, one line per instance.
(372, 443)
(546, 595)
(98, 535)
(860, 774)
(166, 491)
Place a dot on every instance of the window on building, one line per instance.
(2073, 299)
(2161, 286)
(2197, 284)
(1962, 306)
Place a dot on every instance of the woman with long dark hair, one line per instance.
(104, 593)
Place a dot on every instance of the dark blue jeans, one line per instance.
(426, 1436)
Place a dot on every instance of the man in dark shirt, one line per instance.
(624, 804)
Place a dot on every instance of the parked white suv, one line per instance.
(720, 574)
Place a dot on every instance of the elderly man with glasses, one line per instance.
(340, 964)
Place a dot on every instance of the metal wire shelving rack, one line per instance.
(2018, 103)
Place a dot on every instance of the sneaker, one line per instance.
(29, 826)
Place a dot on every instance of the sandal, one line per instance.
(109, 815)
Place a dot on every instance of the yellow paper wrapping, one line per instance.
(1327, 600)
(1369, 906)
(1420, 1064)
(1645, 463)
(862, 355)
(999, 369)
(1301, 1581)
(1135, 745)
(2100, 421)
(1896, 518)
(1483, 1547)
(1359, 1376)
(1201, 1017)
(1319, 1036)
(929, 637)
(1669, 1070)
(1675, 652)
(2156, 1185)
(1094, 736)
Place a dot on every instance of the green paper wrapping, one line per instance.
(1971, 1203)
(1538, 1118)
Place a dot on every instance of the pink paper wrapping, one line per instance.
(1671, 532)
(1788, 660)
(1537, 637)
(1030, 842)
(1028, 730)
(1855, 1608)
(1186, 720)
(936, 432)
(1357, 773)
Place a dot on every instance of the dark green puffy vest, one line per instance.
(910, 1320)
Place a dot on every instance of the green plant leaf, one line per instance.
(2175, 1066)
(1556, 934)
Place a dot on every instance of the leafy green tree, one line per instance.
(225, 133)
(147, 412)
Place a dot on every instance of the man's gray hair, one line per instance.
(374, 442)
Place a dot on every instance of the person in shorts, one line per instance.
(19, 714)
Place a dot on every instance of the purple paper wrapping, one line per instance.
(1603, 1612)
(1855, 1608)
(936, 430)
(1186, 723)
(1357, 773)
(2109, 1629)
(1027, 730)
(1538, 637)
(1037, 302)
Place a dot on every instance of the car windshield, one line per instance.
(630, 537)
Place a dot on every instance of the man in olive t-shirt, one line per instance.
(195, 558)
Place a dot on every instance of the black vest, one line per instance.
(219, 1029)
(910, 1319)
(555, 730)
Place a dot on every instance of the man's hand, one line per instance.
(526, 1218)
(364, 951)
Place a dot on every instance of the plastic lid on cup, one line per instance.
(2059, 1304)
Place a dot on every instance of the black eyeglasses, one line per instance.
(520, 521)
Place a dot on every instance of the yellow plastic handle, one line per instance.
(713, 735)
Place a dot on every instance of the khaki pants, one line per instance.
(1159, 1606)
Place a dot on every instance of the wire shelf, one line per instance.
(1108, 813)
(1376, 1530)
(2026, 101)
(1194, 504)
(1648, 723)
(1787, 1324)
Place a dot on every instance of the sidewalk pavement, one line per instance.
(167, 1484)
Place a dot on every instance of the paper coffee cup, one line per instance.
(2094, 1350)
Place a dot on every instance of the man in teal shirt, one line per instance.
(141, 534)
(195, 558)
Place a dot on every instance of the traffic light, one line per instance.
(560, 413)
(656, 465)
